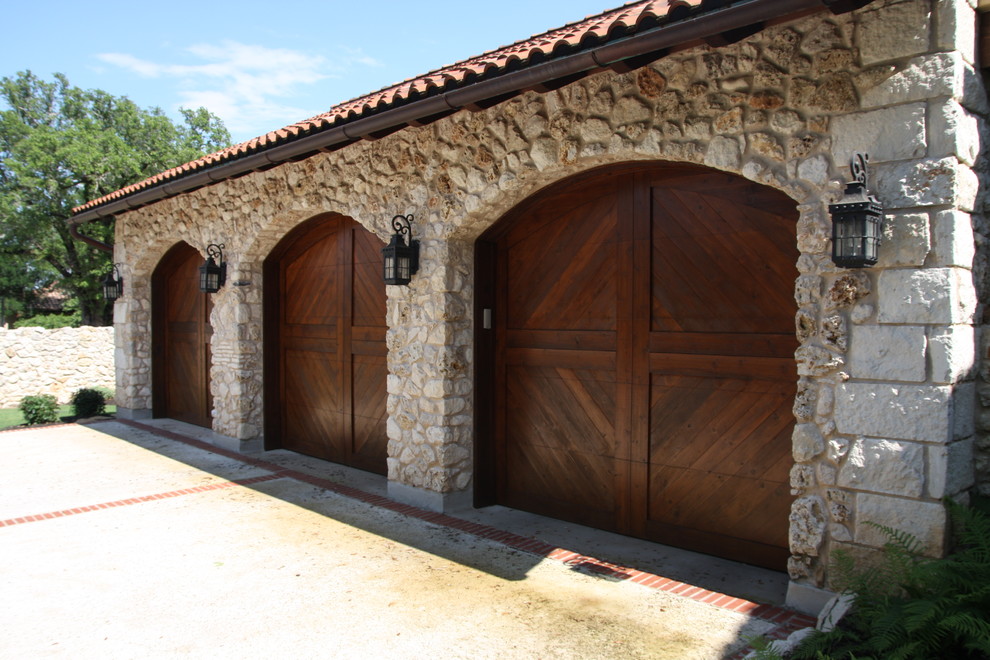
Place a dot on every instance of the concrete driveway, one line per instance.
(132, 541)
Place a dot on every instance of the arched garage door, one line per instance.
(325, 369)
(181, 334)
(640, 358)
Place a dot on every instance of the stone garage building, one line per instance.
(626, 313)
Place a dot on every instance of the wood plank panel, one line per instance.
(641, 361)
(325, 393)
(182, 334)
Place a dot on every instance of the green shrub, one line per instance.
(911, 606)
(88, 402)
(39, 409)
(50, 321)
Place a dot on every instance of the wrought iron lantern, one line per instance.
(113, 284)
(856, 220)
(213, 275)
(401, 257)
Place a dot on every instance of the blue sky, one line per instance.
(261, 65)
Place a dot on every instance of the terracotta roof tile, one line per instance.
(567, 39)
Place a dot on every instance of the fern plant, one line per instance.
(912, 607)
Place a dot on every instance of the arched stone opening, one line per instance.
(324, 344)
(634, 358)
(181, 336)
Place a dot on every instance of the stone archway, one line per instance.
(325, 354)
(181, 336)
(639, 361)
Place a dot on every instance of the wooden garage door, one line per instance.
(325, 389)
(181, 335)
(642, 371)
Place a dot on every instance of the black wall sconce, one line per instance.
(211, 275)
(401, 258)
(856, 221)
(113, 284)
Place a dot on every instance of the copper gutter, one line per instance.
(706, 25)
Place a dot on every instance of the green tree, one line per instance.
(61, 146)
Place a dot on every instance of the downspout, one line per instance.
(660, 38)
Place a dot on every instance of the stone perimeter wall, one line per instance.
(59, 362)
(885, 406)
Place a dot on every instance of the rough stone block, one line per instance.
(956, 28)
(910, 412)
(887, 353)
(954, 132)
(884, 466)
(893, 31)
(953, 353)
(963, 410)
(929, 77)
(724, 153)
(896, 133)
(930, 182)
(807, 442)
(906, 240)
(934, 295)
(926, 521)
(954, 244)
(950, 469)
(807, 529)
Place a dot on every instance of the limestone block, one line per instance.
(816, 361)
(954, 132)
(887, 353)
(806, 442)
(956, 28)
(941, 75)
(847, 289)
(908, 412)
(896, 133)
(814, 170)
(906, 240)
(950, 468)
(926, 183)
(807, 525)
(926, 521)
(893, 31)
(933, 295)
(724, 153)
(953, 353)
(954, 244)
(963, 409)
(884, 466)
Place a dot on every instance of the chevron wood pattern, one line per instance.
(642, 371)
(181, 325)
(327, 398)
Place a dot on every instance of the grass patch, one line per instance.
(12, 417)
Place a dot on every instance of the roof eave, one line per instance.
(655, 40)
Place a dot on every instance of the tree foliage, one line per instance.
(61, 146)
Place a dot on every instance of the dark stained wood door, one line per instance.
(181, 334)
(641, 367)
(325, 338)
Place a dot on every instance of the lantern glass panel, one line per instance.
(209, 276)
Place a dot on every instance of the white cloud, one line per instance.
(249, 87)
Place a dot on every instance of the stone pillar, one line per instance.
(430, 380)
(236, 378)
(132, 348)
(886, 407)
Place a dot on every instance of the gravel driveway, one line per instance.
(142, 546)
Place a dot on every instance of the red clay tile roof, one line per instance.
(574, 37)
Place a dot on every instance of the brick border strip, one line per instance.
(786, 620)
(136, 500)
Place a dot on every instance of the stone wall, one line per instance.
(885, 404)
(59, 362)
